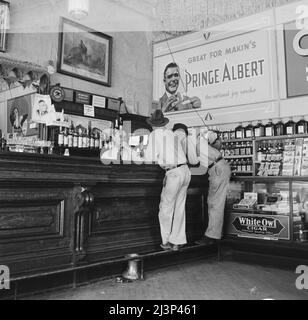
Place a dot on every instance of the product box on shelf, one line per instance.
(288, 158)
(298, 156)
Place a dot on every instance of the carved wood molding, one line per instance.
(25, 73)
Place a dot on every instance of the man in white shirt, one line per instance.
(188, 145)
(165, 149)
(219, 175)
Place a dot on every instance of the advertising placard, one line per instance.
(233, 71)
(268, 227)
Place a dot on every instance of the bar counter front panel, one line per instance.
(58, 212)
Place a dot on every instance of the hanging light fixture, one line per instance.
(78, 9)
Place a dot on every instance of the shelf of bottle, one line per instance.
(242, 172)
(237, 140)
(290, 136)
(274, 178)
(238, 157)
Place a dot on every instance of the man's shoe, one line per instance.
(206, 241)
(177, 247)
(166, 246)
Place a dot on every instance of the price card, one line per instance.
(88, 111)
(81, 97)
(99, 101)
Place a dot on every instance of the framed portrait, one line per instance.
(84, 53)
(19, 116)
(4, 24)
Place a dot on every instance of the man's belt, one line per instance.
(174, 167)
(213, 164)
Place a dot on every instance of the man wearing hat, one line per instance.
(165, 149)
(219, 175)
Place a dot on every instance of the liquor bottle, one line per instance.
(259, 153)
(249, 130)
(243, 149)
(97, 141)
(121, 123)
(258, 130)
(236, 149)
(249, 165)
(101, 140)
(92, 141)
(85, 139)
(116, 123)
(279, 128)
(65, 138)
(244, 167)
(239, 131)
(222, 151)
(1, 141)
(269, 129)
(225, 135)
(70, 136)
(61, 141)
(289, 127)
(238, 165)
(232, 134)
(301, 126)
(231, 149)
(231, 164)
(80, 139)
(75, 138)
(248, 148)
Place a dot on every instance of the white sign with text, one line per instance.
(234, 71)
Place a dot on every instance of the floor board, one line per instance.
(203, 280)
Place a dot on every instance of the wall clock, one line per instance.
(57, 93)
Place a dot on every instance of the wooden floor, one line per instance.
(203, 280)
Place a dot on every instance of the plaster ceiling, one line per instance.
(104, 15)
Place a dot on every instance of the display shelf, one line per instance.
(275, 178)
(245, 172)
(238, 157)
(237, 140)
(257, 212)
(293, 136)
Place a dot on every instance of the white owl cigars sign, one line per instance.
(260, 226)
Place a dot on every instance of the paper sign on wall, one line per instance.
(228, 72)
(88, 111)
(99, 102)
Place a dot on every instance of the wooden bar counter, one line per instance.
(64, 212)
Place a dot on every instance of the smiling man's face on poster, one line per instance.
(171, 79)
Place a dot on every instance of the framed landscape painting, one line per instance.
(84, 53)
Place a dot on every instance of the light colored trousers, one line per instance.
(172, 217)
(219, 177)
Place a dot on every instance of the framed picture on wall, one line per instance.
(19, 120)
(4, 24)
(84, 53)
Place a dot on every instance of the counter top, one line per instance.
(39, 167)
